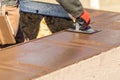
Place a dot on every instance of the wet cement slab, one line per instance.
(43, 56)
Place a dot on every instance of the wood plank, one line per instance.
(6, 36)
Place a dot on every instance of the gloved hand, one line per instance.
(84, 20)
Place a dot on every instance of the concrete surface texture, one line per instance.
(105, 66)
(109, 5)
(41, 57)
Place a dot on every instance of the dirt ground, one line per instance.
(37, 26)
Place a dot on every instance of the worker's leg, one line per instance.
(74, 7)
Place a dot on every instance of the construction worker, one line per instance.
(12, 11)
(82, 18)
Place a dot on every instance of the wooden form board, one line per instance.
(6, 36)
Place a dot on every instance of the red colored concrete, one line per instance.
(42, 56)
